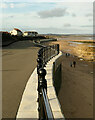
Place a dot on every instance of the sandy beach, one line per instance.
(76, 91)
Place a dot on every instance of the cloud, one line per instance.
(48, 0)
(56, 12)
(87, 26)
(3, 5)
(6, 5)
(11, 16)
(12, 5)
(89, 15)
(67, 25)
(73, 15)
(20, 5)
(90, 20)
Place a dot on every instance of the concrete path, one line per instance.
(18, 62)
(29, 106)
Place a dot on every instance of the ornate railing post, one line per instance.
(50, 53)
(57, 48)
(44, 54)
(42, 84)
(40, 63)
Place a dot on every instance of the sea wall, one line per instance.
(29, 107)
(53, 67)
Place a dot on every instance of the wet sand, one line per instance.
(76, 92)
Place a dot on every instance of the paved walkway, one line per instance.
(19, 61)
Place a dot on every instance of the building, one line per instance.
(30, 33)
(4, 32)
(16, 31)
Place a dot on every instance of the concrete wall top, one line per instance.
(53, 100)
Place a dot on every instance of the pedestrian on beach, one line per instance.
(66, 54)
(74, 63)
(71, 64)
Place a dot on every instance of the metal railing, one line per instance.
(44, 55)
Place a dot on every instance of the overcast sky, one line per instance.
(48, 17)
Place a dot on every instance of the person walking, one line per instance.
(71, 64)
(74, 63)
(66, 55)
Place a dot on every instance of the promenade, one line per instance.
(18, 62)
(76, 87)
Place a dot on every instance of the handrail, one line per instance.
(47, 107)
(48, 52)
(44, 55)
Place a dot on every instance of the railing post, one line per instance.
(40, 63)
(42, 84)
(47, 54)
(57, 48)
(50, 52)
(44, 54)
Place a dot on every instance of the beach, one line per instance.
(76, 91)
(80, 46)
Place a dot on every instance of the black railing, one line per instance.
(44, 55)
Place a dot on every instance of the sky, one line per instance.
(60, 17)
